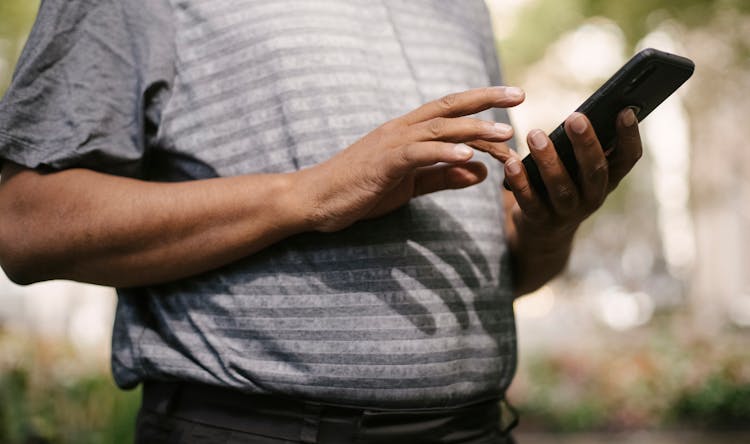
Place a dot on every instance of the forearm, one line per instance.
(87, 226)
(92, 227)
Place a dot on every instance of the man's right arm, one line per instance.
(86, 226)
(92, 227)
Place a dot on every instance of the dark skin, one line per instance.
(87, 226)
(548, 227)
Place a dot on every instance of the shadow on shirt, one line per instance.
(420, 246)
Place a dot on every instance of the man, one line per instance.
(264, 183)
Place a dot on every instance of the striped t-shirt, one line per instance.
(413, 309)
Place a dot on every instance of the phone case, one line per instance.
(644, 82)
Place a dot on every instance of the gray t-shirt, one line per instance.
(413, 309)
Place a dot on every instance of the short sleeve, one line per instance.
(83, 89)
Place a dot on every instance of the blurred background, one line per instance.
(645, 339)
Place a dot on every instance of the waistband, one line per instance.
(311, 422)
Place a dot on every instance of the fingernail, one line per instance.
(513, 166)
(578, 123)
(628, 117)
(538, 140)
(502, 128)
(462, 151)
(514, 92)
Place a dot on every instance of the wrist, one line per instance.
(547, 239)
(297, 200)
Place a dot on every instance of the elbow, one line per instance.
(28, 252)
(19, 276)
(20, 267)
(16, 263)
(21, 264)
(20, 256)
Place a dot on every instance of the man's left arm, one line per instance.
(540, 232)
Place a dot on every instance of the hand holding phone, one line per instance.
(641, 84)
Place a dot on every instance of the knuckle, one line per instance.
(599, 174)
(523, 189)
(565, 196)
(404, 156)
(479, 126)
(448, 102)
(436, 127)
(589, 141)
(547, 163)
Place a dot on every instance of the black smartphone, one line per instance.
(642, 84)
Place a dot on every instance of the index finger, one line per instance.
(466, 103)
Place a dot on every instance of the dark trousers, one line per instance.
(196, 414)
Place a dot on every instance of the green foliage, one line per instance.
(557, 403)
(13, 385)
(544, 21)
(541, 23)
(16, 18)
(42, 409)
(719, 403)
(664, 381)
(637, 18)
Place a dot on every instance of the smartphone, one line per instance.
(642, 84)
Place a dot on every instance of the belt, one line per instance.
(311, 422)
